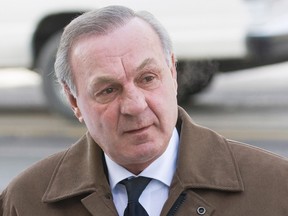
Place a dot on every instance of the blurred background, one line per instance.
(232, 72)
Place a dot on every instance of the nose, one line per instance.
(133, 101)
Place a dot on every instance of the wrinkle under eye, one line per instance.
(106, 95)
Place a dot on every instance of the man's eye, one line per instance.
(107, 91)
(148, 79)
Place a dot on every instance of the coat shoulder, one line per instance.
(31, 183)
(255, 155)
(259, 164)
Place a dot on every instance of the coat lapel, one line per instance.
(96, 201)
(82, 171)
(205, 159)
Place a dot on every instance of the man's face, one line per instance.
(126, 93)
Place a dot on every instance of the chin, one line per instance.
(150, 153)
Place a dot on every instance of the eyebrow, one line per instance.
(146, 62)
(102, 80)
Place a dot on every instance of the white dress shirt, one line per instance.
(156, 193)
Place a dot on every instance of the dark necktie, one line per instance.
(135, 187)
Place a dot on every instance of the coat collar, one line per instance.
(80, 171)
(205, 161)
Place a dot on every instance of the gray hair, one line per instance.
(102, 22)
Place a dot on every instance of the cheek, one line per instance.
(89, 113)
(170, 91)
(100, 119)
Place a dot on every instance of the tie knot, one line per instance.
(135, 187)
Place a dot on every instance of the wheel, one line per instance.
(193, 77)
(53, 92)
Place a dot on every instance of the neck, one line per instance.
(136, 169)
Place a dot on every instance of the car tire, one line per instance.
(194, 77)
(56, 100)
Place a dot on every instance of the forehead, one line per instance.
(135, 36)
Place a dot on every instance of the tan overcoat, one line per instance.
(215, 176)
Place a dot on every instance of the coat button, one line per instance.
(201, 210)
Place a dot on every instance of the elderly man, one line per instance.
(142, 154)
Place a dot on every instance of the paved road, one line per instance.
(249, 106)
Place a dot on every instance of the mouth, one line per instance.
(136, 131)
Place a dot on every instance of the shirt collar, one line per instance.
(162, 169)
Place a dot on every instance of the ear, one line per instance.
(173, 70)
(73, 102)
